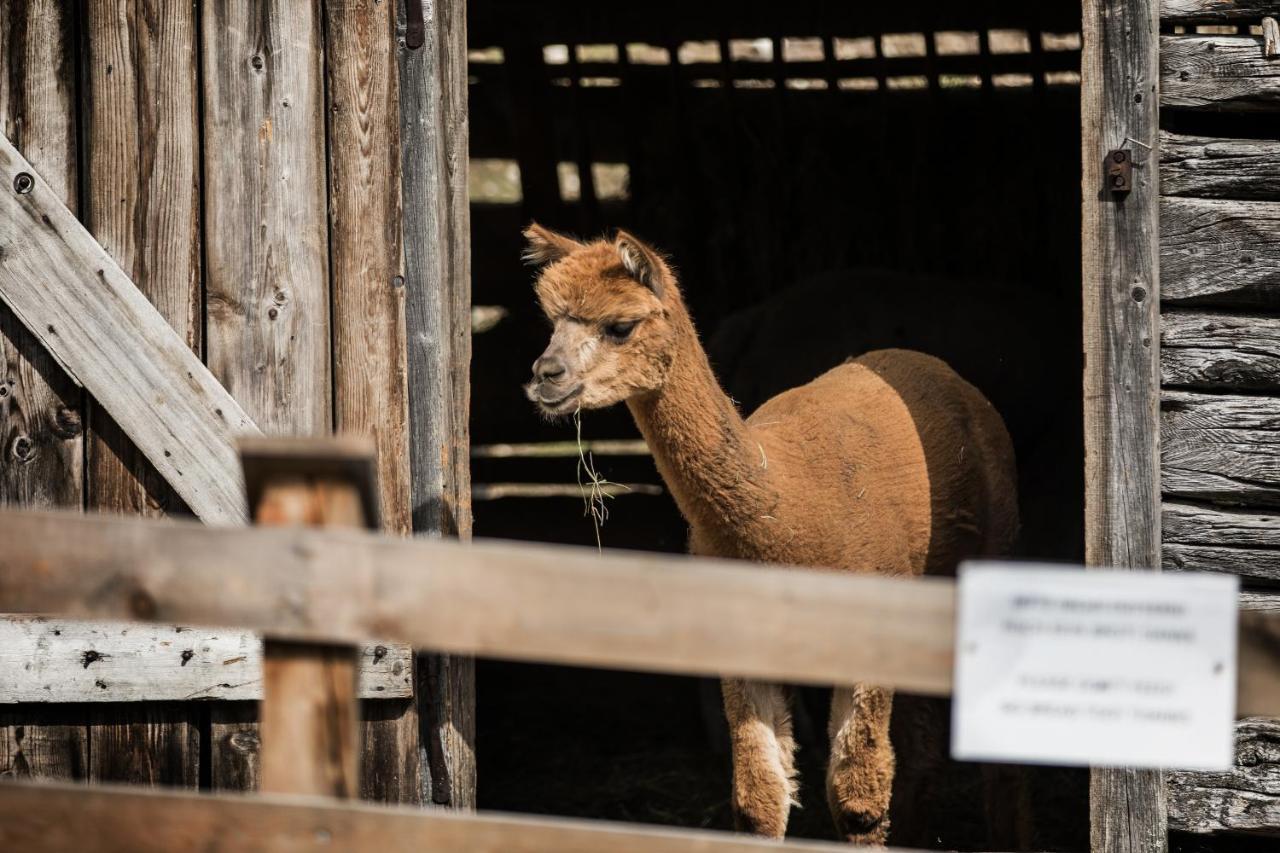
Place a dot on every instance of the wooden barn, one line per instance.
(223, 219)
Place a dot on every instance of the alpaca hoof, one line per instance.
(859, 826)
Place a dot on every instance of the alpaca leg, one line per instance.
(764, 773)
(860, 773)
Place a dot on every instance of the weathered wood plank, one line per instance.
(145, 743)
(1220, 448)
(1217, 72)
(56, 748)
(55, 660)
(267, 281)
(527, 601)
(114, 342)
(1119, 69)
(1236, 541)
(1243, 799)
(1207, 167)
(1220, 352)
(63, 817)
(1220, 253)
(1250, 562)
(235, 747)
(142, 200)
(41, 409)
(437, 268)
(1218, 11)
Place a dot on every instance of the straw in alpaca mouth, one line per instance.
(596, 488)
(560, 406)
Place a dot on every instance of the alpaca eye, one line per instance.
(620, 331)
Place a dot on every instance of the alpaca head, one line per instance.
(608, 303)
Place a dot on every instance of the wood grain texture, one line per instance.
(267, 280)
(56, 748)
(1243, 799)
(142, 201)
(1249, 562)
(1219, 252)
(235, 747)
(1217, 72)
(1220, 448)
(437, 268)
(52, 660)
(1208, 167)
(1220, 539)
(1218, 11)
(1220, 352)
(526, 601)
(62, 817)
(1121, 267)
(41, 409)
(145, 743)
(114, 342)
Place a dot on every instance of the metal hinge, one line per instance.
(1120, 170)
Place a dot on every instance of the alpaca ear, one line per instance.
(546, 245)
(640, 261)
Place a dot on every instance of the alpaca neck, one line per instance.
(700, 442)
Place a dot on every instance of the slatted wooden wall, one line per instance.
(1220, 362)
(241, 161)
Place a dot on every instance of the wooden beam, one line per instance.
(62, 817)
(1220, 252)
(1241, 541)
(526, 601)
(1245, 798)
(1220, 352)
(310, 731)
(1217, 72)
(56, 660)
(1119, 68)
(1217, 11)
(1219, 168)
(437, 270)
(104, 332)
(1220, 448)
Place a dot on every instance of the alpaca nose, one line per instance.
(548, 368)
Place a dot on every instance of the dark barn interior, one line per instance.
(828, 179)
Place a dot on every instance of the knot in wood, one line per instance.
(23, 449)
(66, 423)
(23, 183)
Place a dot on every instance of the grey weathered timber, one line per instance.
(370, 379)
(1119, 69)
(437, 269)
(266, 244)
(142, 202)
(1209, 167)
(62, 817)
(1243, 799)
(1220, 352)
(1250, 562)
(1217, 72)
(526, 601)
(41, 409)
(1218, 11)
(1220, 448)
(1233, 540)
(56, 660)
(1220, 252)
(109, 338)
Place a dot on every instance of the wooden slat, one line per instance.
(437, 269)
(1219, 168)
(145, 743)
(527, 601)
(1217, 72)
(1243, 799)
(62, 817)
(55, 660)
(55, 748)
(1220, 352)
(1220, 252)
(1220, 448)
(41, 409)
(114, 342)
(1218, 11)
(267, 279)
(1119, 68)
(1217, 539)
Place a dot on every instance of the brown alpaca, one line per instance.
(890, 463)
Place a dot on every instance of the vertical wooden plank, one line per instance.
(1119, 104)
(41, 440)
(267, 282)
(266, 279)
(142, 205)
(436, 223)
(370, 383)
(235, 747)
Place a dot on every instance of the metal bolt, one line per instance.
(1118, 181)
(1118, 156)
(23, 183)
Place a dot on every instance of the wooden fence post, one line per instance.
(1121, 289)
(310, 719)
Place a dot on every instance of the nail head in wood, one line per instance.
(23, 183)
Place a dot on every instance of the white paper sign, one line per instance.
(1057, 665)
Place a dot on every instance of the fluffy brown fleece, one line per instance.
(889, 463)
